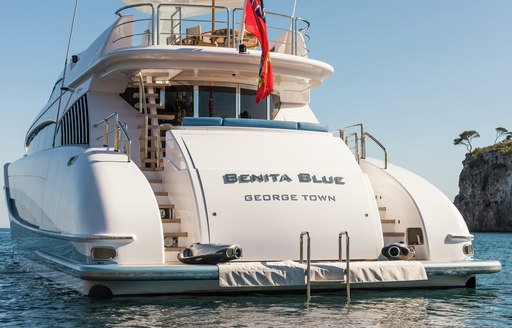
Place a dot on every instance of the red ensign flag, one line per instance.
(255, 23)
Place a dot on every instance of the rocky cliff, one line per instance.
(485, 189)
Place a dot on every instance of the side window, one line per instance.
(41, 138)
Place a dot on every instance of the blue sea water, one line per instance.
(26, 300)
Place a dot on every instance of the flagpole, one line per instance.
(242, 26)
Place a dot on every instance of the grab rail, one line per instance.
(346, 279)
(119, 127)
(308, 259)
(362, 141)
(366, 134)
(356, 143)
(144, 110)
(152, 20)
(347, 258)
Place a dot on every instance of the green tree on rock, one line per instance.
(465, 139)
(500, 132)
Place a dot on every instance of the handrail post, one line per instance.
(308, 265)
(118, 128)
(158, 146)
(128, 143)
(116, 133)
(347, 257)
(294, 36)
(363, 143)
(154, 36)
(105, 134)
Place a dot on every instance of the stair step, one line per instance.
(158, 116)
(148, 138)
(382, 208)
(165, 205)
(155, 180)
(148, 95)
(149, 169)
(171, 220)
(174, 249)
(161, 193)
(149, 105)
(154, 127)
(151, 149)
(151, 160)
(393, 234)
(176, 234)
(390, 221)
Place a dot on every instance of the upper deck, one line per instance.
(203, 23)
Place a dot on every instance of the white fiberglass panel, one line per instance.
(263, 188)
(440, 217)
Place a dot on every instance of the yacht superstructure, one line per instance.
(154, 142)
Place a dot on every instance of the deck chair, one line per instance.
(194, 36)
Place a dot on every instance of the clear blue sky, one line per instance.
(416, 73)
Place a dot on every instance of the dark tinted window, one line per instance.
(217, 101)
(248, 106)
(179, 101)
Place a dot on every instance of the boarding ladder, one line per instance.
(152, 131)
(346, 276)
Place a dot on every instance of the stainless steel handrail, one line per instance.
(356, 143)
(366, 134)
(118, 12)
(144, 110)
(362, 140)
(128, 142)
(308, 259)
(181, 19)
(296, 31)
(156, 19)
(347, 259)
(117, 130)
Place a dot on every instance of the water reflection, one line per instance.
(28, 300)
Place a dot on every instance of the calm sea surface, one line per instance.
(27, 300)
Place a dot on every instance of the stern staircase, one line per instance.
(152, 129)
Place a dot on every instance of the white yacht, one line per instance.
(152, 144)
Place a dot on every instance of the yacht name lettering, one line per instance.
(289, 197)
(232, 178)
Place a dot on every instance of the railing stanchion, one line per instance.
(105, 134)
(347, 258)
(118, 128)
(308, 264)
